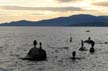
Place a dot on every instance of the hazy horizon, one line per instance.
(15, 10)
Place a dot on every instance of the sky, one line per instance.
(35, 10)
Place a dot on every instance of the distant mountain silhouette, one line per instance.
(74, 20)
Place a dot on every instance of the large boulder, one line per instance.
(36, 54)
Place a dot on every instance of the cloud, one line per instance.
(61, 9)
(68, 0)
(101, 4)
(64, 0)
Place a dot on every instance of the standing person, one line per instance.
(40, 45)
(82, 48)
(32, 52)
(35, 43)
(36, 54)
(42, 52)
(70, 39)
(73, 54)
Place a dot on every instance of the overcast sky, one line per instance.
(14, 10)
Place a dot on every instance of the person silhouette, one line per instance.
(33, 51)
(42, 52)
(36, 54)
(82, 48)
(70, 39)
(40, 45)
(34, 43)
(73, 54)
(89, 38)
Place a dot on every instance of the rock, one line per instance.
(87, 31)
(92, 50)
(106, 42)
(83, 49)
(36, 54)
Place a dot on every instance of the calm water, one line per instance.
(15, 42)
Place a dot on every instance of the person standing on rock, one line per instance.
(32, 52)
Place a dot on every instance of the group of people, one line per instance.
(39, 54)
(88, 41)
(36, 54)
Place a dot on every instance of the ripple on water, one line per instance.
(2, 69)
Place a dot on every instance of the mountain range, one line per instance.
(74, 20)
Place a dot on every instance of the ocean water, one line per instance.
(15, 42)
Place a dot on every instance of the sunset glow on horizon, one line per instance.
(34, 10)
